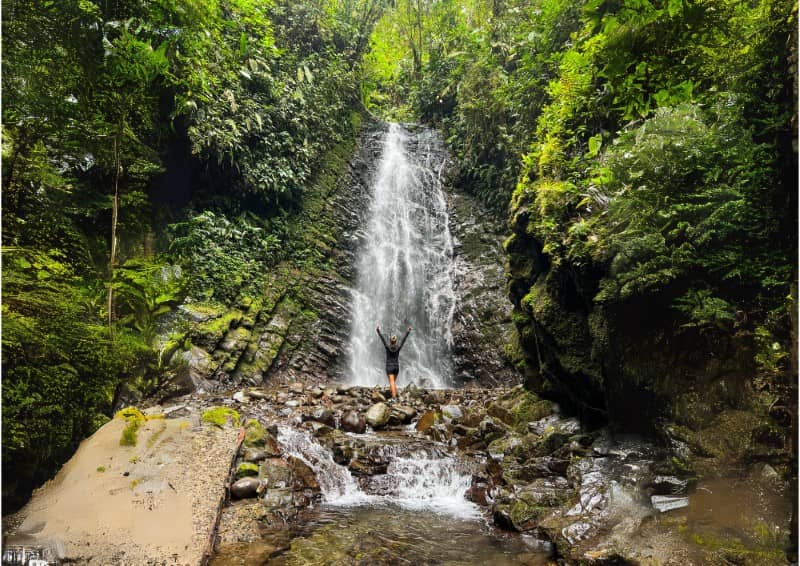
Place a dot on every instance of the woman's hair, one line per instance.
(393, 339)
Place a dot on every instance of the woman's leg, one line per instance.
(392, 377)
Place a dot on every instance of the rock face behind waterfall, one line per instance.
(483, 333)
(296, 326)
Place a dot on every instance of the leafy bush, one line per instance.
(60, 370)
(222, 255)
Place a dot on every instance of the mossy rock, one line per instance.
(255, 434)
(201, 312)
(210, 332)
(246, 469)
(530, 408)
(221, 416)
(526, 515)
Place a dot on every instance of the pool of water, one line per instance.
(379, 535)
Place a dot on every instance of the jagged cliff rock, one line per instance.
(483, 332)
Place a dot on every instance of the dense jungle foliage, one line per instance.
(645, 152)
(154, 152)
(143, 141)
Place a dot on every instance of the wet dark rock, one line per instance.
(245, 488)
(352, 421)
(342, 454)
(668, 485)
(378, 415)
(321, 415)
(275, 472)
(320, 430)
(254, 455)
(303, 476)
(452, 412)
(439, 433)
(401, 414)
(463, 430)
(362, 465)
(478, 491)
(501, 515)
(554, 441)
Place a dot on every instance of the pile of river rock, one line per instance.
(535, 471)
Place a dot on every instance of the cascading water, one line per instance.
(337, 485)
(405, 265)
(415, 480)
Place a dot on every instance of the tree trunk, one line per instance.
(114, 216)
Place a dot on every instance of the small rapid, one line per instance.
(405, 265)
(418, 479)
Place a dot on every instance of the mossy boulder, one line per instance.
(246, 469)
(255, 435)
(518, 408)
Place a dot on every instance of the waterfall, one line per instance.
(405, 266)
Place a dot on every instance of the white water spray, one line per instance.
(416, 480)
(405, 266)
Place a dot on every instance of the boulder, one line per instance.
(321, 415)
(402, 414)
(254, 434)
(275, 472)
(245, 488)
(427, 420)
(254, 455)
(353, 422)
(378, 415)
(303, 476)
(246, 469)
(452, 412)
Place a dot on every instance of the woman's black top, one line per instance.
(393, 354)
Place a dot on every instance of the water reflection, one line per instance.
(390, 535)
